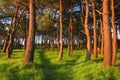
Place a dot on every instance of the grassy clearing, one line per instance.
(46, 67)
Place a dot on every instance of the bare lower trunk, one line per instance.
(107, 37)
(58, 38)
(69, 42)
(70, 35)
(25, 34)
(29, 55)
(11, 33)
(18, 43)
(46, 40)
(61, 41)
(95, 34)
(69, 49)
(10, 46)
(88, 53)
(114, 40)
(102, 36)
(51, 41)
(99, 43)
(25, 43)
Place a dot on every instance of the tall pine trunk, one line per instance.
(61, 41)
(70, 36)
(95, 33)
(88, 53)
(29, 55)
(102, 36)
(107, 37)
(114, 40)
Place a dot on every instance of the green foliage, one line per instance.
(46, 67)
(46, 21)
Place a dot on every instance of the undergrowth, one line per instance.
(47, 67)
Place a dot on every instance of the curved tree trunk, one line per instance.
(107, 37)
(88, 53)
(95, 34)
(10, 46)
(61, 41)
(114, 42)
(29, 55)
(12, 33)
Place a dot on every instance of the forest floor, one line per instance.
(47, 67)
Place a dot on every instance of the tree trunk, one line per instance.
(95, 34)
(78, 42)
(69, 48)
(51, 42)
(61, 41)
(18, 43)
(102, 36)
(26, 34)
(5, 46)
(107, 37)
(46, 39)
(88, 53)
(71, 33)
(70, 41)
(29, 55)
(12, 33)
(42, 40)
(6, 41)
(114, 40)
(10, 46)
(25, 43)
(58, 38)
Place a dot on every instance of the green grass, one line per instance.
(47, 67)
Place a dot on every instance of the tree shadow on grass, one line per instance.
(73, 61)
(51, 71)
(98, 60)
(118, 59)
(10, 72)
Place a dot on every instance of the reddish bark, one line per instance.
(107, 37)
(61, 41)
(29, 55)
(102, 36)
(95, 34)
(114, 40)
(88, 53)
